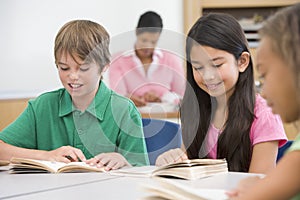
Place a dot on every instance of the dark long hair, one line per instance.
(223, 32)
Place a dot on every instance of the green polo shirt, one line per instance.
(111, 123)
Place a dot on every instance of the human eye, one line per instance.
(261, 80)
(144, 40)
(198, 68)
(63, 68)
(84, 68)
(217, 65)
(153, 42)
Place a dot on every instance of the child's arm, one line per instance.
(264, 157)
(8, 151)
(281, 183)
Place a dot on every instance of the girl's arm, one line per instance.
(283, 182)
(264, 157)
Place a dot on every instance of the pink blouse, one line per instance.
(165, 75)
(265, 127)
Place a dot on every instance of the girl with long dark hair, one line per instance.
(221, 114)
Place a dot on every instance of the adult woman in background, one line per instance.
(148, 74)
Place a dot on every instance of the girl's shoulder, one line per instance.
(261, 105)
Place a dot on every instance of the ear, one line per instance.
(104, 69)
(243, 61)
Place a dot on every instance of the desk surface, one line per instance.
(162, 115)
(94, 185)
(159, 110)
(15, 185)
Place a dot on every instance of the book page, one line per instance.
(26, 164)
(172, 189)
(22, 165)
(193, 169)
(80, 167)
(143, 171)
(4, 162)
(193, 162)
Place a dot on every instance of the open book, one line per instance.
(188, 169)
(176, 190)
(4, 162)
(24, 165)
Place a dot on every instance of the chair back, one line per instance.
(160, 136)
(282, 149)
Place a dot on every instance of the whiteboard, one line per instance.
(28, 29)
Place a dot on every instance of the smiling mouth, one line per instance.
(75, 86)
(213, 86)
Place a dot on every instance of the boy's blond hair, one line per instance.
(85, 39)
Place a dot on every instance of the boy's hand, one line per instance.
(65, 154)
(109, 160)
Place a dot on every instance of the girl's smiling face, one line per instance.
(278, 82)
(216, 71)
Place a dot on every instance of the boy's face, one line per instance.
(80, 79)
(278, 82)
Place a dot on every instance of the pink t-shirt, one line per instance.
(265, 127)
(165, 75)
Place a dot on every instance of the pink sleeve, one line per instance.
(115, 73)
(266, 125)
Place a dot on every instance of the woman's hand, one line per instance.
(138, 101)
(109, 160)
(171, 156)
(151, 97)
(65, 154)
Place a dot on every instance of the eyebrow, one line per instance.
(217, 58)
(214, 59)
(79, 64)
(61, 63)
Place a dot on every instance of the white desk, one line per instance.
(14, 185)
(94, 185)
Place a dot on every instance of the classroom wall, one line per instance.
(28, 28)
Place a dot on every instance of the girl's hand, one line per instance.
(65, 154)
(109, 160)
(171, 156)
(242, 187)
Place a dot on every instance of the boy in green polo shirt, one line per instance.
(84, 120)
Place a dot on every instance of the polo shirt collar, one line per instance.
(97, 107)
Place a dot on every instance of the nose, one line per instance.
(74, 75)
(209, 74)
